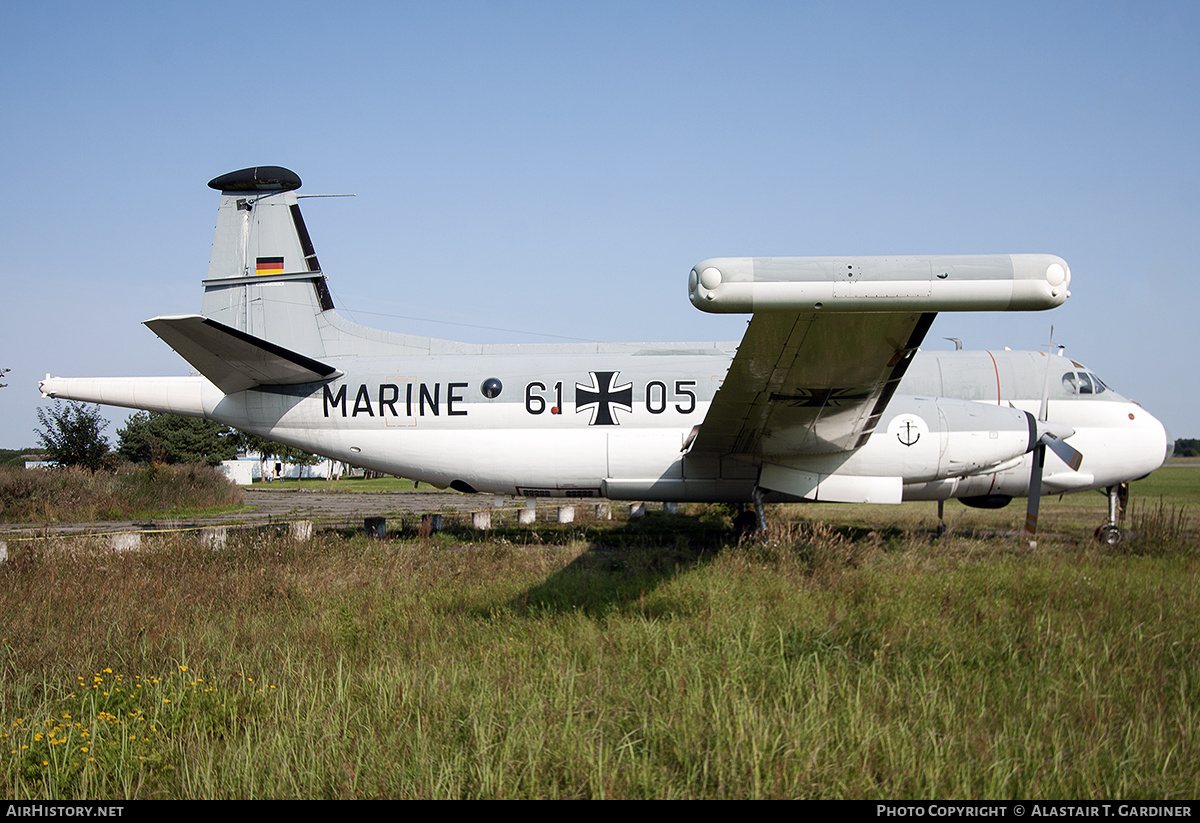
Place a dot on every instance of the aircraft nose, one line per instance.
(1166, 444)
(1149, 443)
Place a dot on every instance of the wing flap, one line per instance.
(233, 360)
(831, 488)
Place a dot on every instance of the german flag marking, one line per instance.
(269, 265)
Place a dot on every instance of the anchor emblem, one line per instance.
(906, 436)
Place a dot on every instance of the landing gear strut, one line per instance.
(759, 510)
(1118, 499)
(941, 526)
(751, 521)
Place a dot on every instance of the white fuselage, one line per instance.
(617, 424)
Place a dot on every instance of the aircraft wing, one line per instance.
(233, 360)
(810, 383)
(832, 336)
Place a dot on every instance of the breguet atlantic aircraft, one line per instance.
(826, 397)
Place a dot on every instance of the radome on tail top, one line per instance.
(825, 398)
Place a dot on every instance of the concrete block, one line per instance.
(375, 526)
(126, 541)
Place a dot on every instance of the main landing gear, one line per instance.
(750, 521)
(1118, 498)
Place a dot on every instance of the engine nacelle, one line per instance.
(923, 440)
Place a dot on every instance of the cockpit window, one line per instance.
(1083, 383)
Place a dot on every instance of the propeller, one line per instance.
(1049, 436)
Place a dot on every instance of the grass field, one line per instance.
(849, 654)
(346, 485)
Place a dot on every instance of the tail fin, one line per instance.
(263, 277)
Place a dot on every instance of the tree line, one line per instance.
(72, 434)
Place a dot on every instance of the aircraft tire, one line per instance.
(745, 522)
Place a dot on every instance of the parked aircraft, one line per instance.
(826, 397)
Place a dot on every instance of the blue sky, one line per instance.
(529, 169)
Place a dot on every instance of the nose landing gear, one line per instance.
(1118, 498)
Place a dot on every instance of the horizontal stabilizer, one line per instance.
(233, 360)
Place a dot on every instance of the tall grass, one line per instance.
(75, 495)
(1161, 527)
(599, 662)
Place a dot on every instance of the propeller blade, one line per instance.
(1035, 494)
(1049, 435)
(1066, 452)
(1044, 409)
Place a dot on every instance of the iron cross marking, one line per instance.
(601, 396)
